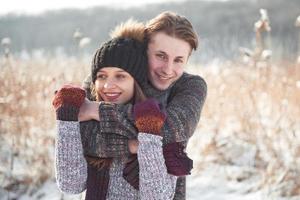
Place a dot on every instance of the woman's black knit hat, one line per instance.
(126, 53)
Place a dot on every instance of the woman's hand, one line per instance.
(67, 102)
(89, 110)
(148, 116)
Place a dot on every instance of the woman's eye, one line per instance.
(121, 76)
(101, 76)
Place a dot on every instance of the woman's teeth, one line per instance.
(112, 94)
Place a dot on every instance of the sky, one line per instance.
(39, 6)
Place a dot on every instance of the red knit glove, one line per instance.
(148, 117)
(67, 102)
(131, 171)
(177, 161)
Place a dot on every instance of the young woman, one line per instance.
(118, 69)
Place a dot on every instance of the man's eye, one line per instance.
(178, 61)
(161, 56)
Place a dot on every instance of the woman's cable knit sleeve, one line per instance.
(70, 164)
(155, 182)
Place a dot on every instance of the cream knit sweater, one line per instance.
(71, 167)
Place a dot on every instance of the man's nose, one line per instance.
(167, 69)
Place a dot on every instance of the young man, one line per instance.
(170, 40)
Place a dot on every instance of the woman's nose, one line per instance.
(109, 84)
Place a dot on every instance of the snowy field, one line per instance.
(247, 144)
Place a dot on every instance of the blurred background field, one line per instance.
(247, 144)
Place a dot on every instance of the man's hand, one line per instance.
(133, 145)
(89, 110)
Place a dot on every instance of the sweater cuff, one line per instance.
(117, 119)
(117, 147)
(105, 145)
(67, 113)
(150, 138)
(108, 115)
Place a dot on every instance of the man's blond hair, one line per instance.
(173, 25)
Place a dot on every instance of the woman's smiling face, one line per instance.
(114, 85)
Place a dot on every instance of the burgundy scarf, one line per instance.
(98, 176)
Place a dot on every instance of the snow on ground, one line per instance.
(204, 186)
(209, 180)
(199, 187)
(211, 184)
(210, 188)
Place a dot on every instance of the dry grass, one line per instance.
(252, 119)
(27, 120)
(254, 110)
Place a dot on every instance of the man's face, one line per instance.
(166, 58)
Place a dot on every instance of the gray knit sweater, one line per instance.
(183, 102)
(71, 167)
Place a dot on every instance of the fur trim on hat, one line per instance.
(129, 29)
